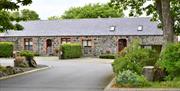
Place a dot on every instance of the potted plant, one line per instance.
(29, 57)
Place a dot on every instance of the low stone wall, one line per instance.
(110, 88)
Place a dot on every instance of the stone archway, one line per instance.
(49, 47)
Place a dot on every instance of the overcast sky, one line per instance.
(46, 8)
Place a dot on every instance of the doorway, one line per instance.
(122, 43)
(49, 47)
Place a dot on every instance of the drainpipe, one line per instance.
(38, 45)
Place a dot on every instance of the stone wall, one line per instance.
(100, 44)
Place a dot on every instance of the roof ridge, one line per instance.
(90, 19)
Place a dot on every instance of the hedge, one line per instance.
(6, 49)
(107, 56)
(71, 50)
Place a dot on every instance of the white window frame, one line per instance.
(28, 43)
(87, 43)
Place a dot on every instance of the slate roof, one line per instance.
(87, 27)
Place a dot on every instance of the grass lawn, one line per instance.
(163, 84)
(167, 84)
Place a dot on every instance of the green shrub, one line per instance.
(7, 70)
(107, 56)
(134, 58)
(24, 65)
(3, 69)
(71, 50)
(129, 79)
(36, 54)
(166, 84)
(121, 64)
(170, 60)
(6, 49)
(27, 54)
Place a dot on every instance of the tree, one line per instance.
(5, 18)
(167, 11)
(54, 18)
(92, 11)
(25, 15)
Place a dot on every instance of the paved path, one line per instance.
(64, 75)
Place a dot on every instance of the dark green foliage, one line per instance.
(71, 50)
(159, 74)
(2, 69)
(129, 79)
(107, 56)
(13, 4)
(36, 54)
(92, 11)
(24, 15)
(5, 23)
(134, 58)
(6, 49)
(151, 57)
(6, 20)
(27, 54)
(18, 27)
(170, 60)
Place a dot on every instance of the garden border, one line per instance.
(109, 88)
(23, 73)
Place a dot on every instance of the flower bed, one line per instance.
(128, 68)
(9, 70)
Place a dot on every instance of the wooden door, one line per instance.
(49, 47)
(122, 43)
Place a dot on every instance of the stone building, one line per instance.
(97, 36)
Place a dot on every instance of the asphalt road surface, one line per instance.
(62, 76)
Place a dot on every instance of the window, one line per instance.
(28, 44)
(87, 43)
(140, 27)
(158, 48)
(65, 40)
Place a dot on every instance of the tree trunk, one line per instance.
(167, 22)
(158, 6)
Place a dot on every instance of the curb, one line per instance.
(109, 88)
(27, 72)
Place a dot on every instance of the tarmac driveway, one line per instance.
(85, 74)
